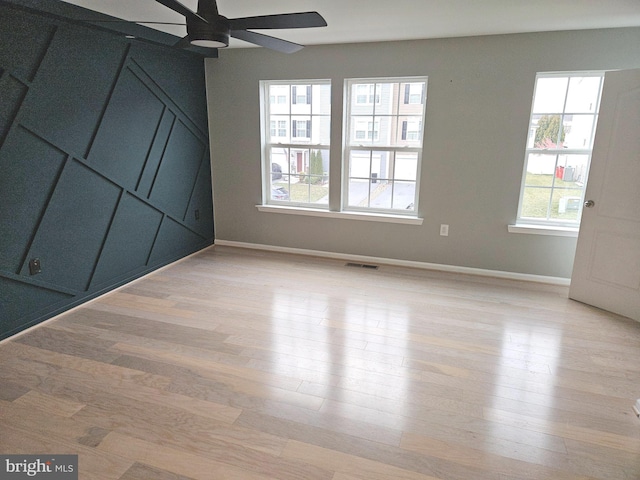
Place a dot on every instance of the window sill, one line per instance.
(544, 230)
(367, 217)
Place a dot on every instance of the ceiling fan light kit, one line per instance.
(207, 28)
(210, 34)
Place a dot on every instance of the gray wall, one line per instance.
(103, 162)
(478, 104)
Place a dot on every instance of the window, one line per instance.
(301, 94)
(383, 144)
(382, 147)
(366, 94)
(562, 127)
(296, 126)
(413, 93)
(278, 128)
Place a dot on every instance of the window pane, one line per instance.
(380, 194)
(408, 131)
(535, 202)
(572, 170)
(540, 169)
(406, 166)
(279, 129)
(309, 189)
(550, 94)
(364, 130)
(404, 194)
(363, 99)
(548, 131)
(321, 95)
(583, 95)
(321, 130)
(411, 98)
(360, 164)
(566, 204)
(280, 157)
(301, 129)
(578, 131)
(358, 195)
(381, 165)
(279, 99)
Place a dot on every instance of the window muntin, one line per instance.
(296, 124)
(383, 144)
(562, 127)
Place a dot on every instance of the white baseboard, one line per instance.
(95, 299)
(400, 263)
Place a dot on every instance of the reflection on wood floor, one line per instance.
(236, 364)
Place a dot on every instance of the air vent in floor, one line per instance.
(361, 265)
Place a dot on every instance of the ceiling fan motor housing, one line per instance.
(214, 34)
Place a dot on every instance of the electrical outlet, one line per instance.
(444, 230)
(34, 266)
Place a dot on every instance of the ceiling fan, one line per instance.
(207, 28)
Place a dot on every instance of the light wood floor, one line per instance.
(245, 365)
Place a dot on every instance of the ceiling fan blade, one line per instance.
(141, 22)
(284, 20)
(273, 43)
(182, 10)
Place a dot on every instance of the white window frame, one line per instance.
(295, 143)
(550, 225)
(349, 145)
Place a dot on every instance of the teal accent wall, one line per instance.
(104, 161)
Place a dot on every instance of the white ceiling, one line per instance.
(382, 20)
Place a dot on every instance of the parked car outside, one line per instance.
(276, 171)
(279, 193)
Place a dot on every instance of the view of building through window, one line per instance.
(297, 143)
(558, 151)
(384, 143)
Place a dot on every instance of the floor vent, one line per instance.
(362, 265)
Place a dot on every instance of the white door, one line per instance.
(606, 270)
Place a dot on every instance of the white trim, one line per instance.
(543, 230)
(99, 297)
(369, 217)
(400, 263)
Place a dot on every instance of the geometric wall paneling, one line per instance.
(155, 154)
(169, 98)
(199, 215)
(25, 40)
(126, 131)
(13, 307)
(81, 67)
(74, 227)
(127, 249)
(153, 61)
(102, 140)
(178, 170)
(29, 170)
(174, 240)
(12, 93)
